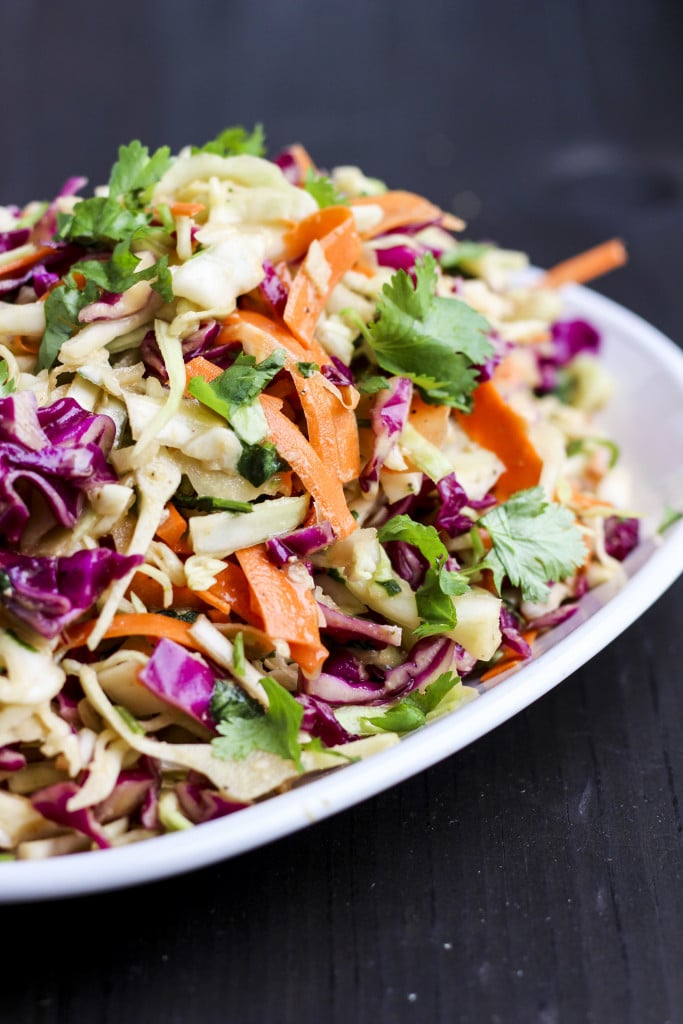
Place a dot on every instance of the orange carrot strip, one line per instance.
(231, 592)
(508, 660)
(201, 367)
(301, 158)
(317, 478)
(288, 613)
(493, 424)
(172, 531)
(429, 420)
(587, 265)
(151, 593)
(399, 209)
(134, 624)
(332, 429)
(341, 248)
(186, 209)
(26, 261)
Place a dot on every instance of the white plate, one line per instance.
(646, 419)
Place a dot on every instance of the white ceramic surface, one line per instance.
(646, 419)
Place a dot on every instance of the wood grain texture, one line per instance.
(536, 877)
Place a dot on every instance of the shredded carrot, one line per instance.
(508, 660)
(399, 209)
(151, 593)
(429, 420)
(587, 265)
(365, 266)
(173, 530)
(28, 345)
(494, 425)
(261, 336)
(332, 428)
(334, 228)
(201, 367)
(230, 593)
(325, 488)
(24, 262)
(288, 613)
(301, 158)
(137, 624)
(186, 209)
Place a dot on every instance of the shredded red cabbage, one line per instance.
(621, 536)
(48, 593)
(180, 679)
(200, 804)
(51, 803)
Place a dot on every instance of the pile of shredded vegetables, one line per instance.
(288, 467)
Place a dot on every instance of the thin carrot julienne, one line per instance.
(586, 265)
(150, 624)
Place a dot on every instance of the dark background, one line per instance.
(538, 875)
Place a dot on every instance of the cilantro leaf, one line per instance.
(120, 272)
(438, 343)
(136, 170)
(411, 712)
(229, 701)
(62, 307)
(433, 597)
(236, 140)
(258, 462)
(99, 221)
(7, 385)
(372, 383)
(234, 395)
(205, 503)
(307, 369)
(533, 541)
(322, 190)
(276, 732)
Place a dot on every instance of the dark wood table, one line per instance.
(536, 876)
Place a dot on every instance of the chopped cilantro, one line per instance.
(411, 712)
(433, 597)
(276, 732)
(229, 701)
(438, 343)
(62, 307)
(258, 462)
(5, 583)
(99, 221)
(234, 141)
(183, 614)
(372, 383)
(120, 272)
(234, 395)
(7, 385)
(135, 171)
(534, 541)
(392, 587)
(322, 190)
(208, 504)
(307, 369)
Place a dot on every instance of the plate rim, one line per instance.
(178, 853)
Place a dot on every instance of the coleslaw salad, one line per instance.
(288, 469)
